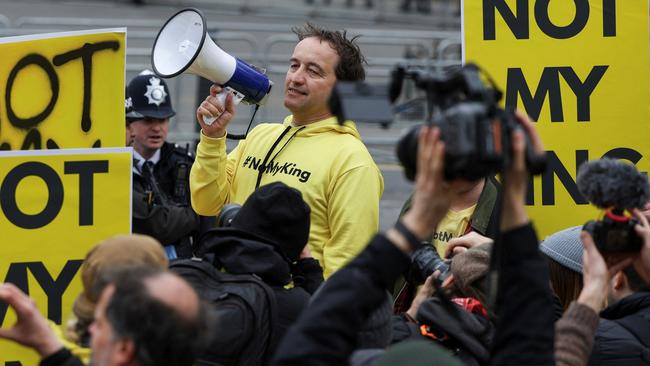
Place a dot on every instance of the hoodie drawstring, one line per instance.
(262, 168)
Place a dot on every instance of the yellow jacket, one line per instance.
(328, 163)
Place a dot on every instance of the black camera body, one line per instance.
(425, 260)
(477, 133)
(615, 234)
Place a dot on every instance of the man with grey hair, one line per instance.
(145, 316)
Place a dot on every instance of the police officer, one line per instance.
(161, 200)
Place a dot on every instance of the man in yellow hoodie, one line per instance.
(310, 151)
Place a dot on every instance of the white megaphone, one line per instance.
(184, 45)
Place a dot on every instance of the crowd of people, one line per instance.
(296, 273)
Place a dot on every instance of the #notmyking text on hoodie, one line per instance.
(274, 168)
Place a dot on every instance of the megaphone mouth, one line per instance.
(184, 22)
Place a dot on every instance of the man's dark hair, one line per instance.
(634, 281)
(351, 60)
(160, 334)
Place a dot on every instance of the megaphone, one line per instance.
(182, 45)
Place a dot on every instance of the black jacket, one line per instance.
(62, 357)
(172, 221)
(237, 252)
(326, 332)
(468, 336)
(524, 303)
(623, 335)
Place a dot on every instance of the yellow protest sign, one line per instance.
(62, 90)
(54, 206)
(581, 70)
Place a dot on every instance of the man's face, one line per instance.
(148, 134)
(310, 80)
(102, 338)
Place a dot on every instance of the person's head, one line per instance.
(118, 251)
(563, 250)
(277, 214)
(147, 316)
(418, 353)
(320, 58)
(148, 120)
(469, 270)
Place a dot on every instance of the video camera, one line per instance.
(477, 133)
(617, 188)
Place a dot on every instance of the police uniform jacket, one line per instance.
(170, 220)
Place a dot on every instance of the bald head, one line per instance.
(176, 293)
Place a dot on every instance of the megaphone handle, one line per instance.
(221, 97)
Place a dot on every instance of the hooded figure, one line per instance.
(266, 238)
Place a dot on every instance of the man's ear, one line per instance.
(124, 352)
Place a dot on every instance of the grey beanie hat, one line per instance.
(565, 247)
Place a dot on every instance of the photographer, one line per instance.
(621, 335)
(325, 333)
(268, 238)
(453, 315)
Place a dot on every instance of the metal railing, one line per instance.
(264, 45)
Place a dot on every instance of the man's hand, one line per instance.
(426, 291)
(642, 262)
(31, 328)
(515, 178)
(596, 275)
(467, 241)
(212, 107)
(433, 195)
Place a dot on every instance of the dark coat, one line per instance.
(623, 335)
(173, 222)
(62, 357)
(468, 336)
(524, 304)
(238, 252)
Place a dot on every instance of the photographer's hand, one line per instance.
(31, 328)
(212, 107)
(426, 291)
(432, 196)
(642, 262)
(596, 274)
(464, 242)
(515, 178)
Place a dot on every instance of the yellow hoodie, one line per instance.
(327, 162)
